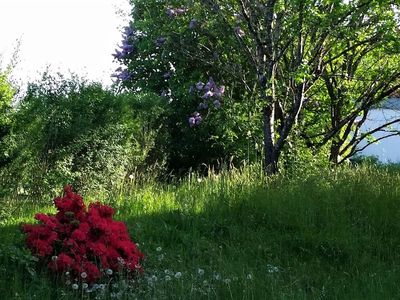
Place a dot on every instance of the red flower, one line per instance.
(85, 241)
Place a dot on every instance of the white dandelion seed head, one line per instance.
(200, 272)
(109, 272)
(85, 286)
(158, 249)
(178, 275)
(84, 275)
(75, 286)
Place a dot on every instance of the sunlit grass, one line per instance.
(238, 235)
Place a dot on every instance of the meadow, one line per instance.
(315, 234)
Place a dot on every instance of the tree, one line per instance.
(284, 48)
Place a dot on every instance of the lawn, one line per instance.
(238, 235)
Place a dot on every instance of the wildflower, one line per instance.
(85, 286)
(168, 272)
(54, 258)
(158, 249)
(109, 272)
(227, 281)
(200, 272)
(168, 278)
(178, 275)
(272, 269)
(75, 286)
(83, 275)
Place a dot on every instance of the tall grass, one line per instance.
(238, 235)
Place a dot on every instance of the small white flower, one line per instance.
(75, 286)
(102, 286)
(54, 258)
(168, 272)
(66, 273)
(200, 272)
(217, 276)
(272, 269)
(158, 249)
(131, 176)
(168, 278)
(227, 281)
(109, 272)
(85, 286)
(83, 275)
(178, 275)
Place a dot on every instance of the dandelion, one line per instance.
(227, 281)
(75, 286)
(109, 272)
(66, 273)
(168, 278)
(217, 276)
(84, 275)
(178, 275)
(200, 272)
(272, 269)
(85, 286)
(168, 272)
(54, 258)
(158, 249)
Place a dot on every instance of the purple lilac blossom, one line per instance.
(199, 85)
(239, 32)
(193, 24)
(167, 75)
(207, 95)
(160, 41)
(217, 104)
(192, 121)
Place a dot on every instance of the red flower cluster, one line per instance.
(86, 243)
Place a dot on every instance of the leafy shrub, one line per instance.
(70, 131)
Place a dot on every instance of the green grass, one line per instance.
(314, 235)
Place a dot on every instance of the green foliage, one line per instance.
(72, 131)
(329, 235)
(6, 96)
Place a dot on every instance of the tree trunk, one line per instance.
(271, 154)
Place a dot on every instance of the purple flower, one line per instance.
(197, 120)
(207, 95)
(199, 86)
(210, 85)
(219, 92)
(202, 105)
(171, 12)
(122, 75)
(167, 75)
(128, 31)
(239, 32)
(192, 121)
(193, 23)
(217, 104)
(160, 41)
(181, 11)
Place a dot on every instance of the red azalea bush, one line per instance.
(85, 244)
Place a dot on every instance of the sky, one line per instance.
(67, 35)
